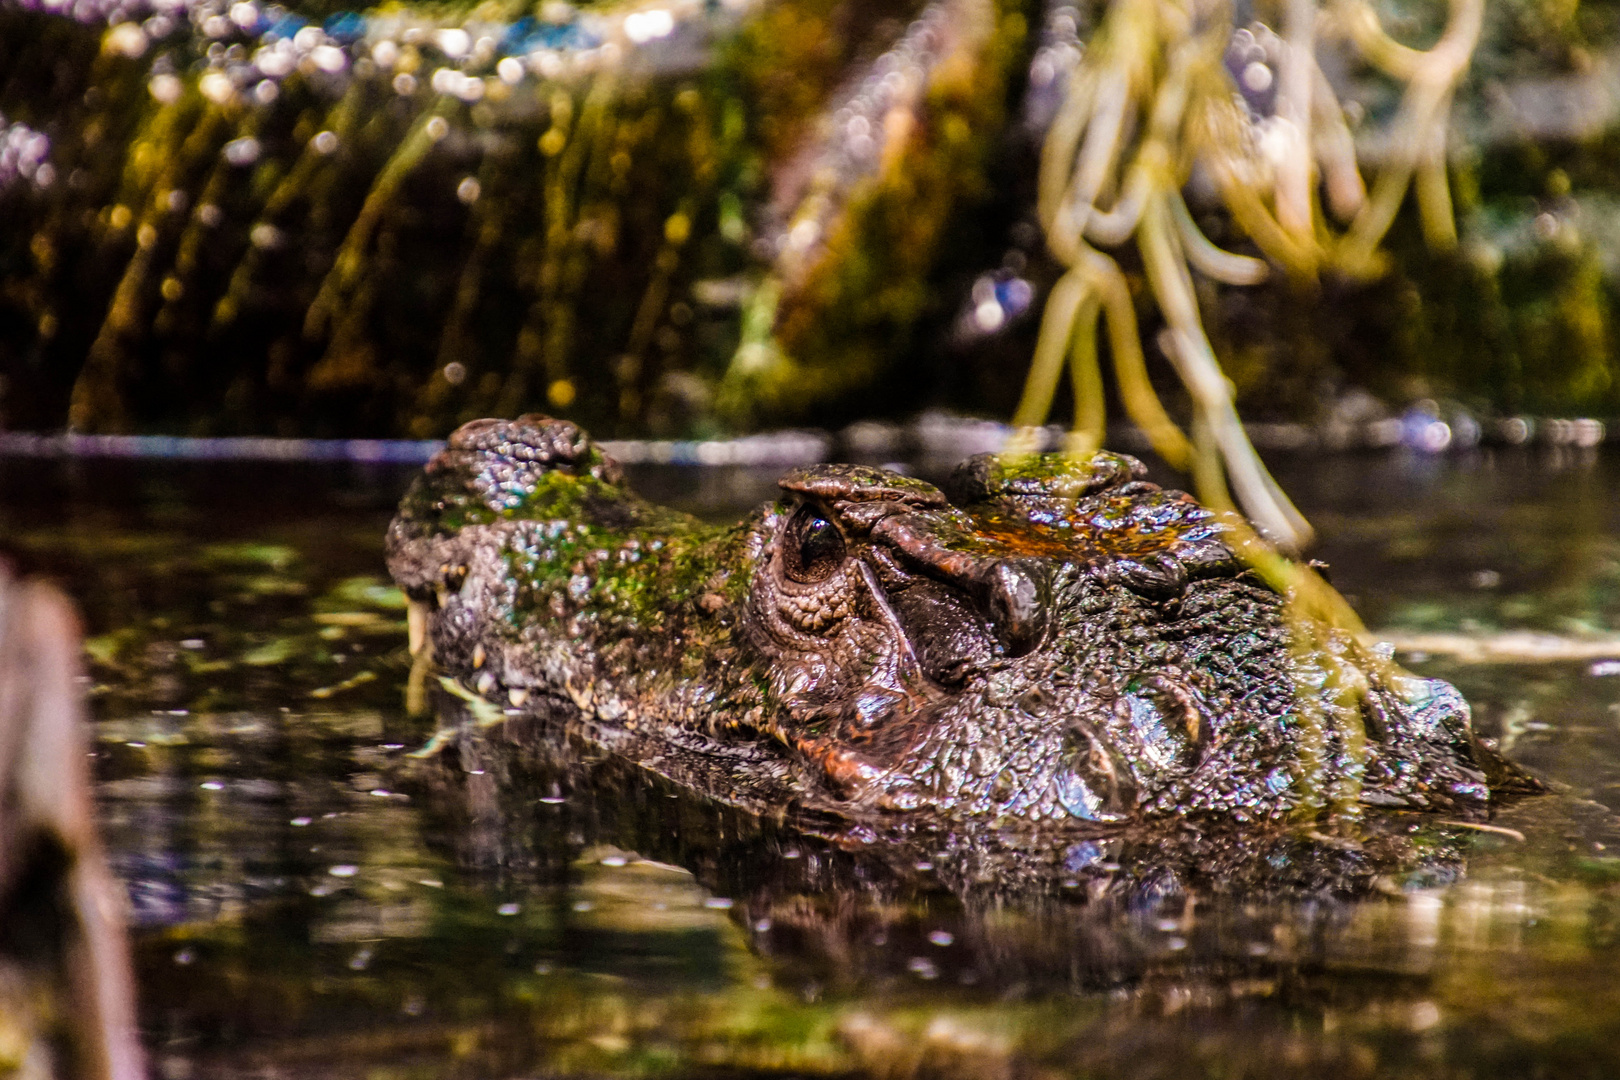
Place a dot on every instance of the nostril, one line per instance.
(1018, 602)
(1156, 576)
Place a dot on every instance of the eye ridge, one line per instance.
(812, 548)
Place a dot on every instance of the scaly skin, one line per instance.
(1055, 640)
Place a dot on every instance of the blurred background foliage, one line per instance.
(691, 218)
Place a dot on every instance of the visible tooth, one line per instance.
(416, 626)
(486, 683)
(517, 696)
(478, 656)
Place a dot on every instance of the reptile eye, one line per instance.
(811, 548)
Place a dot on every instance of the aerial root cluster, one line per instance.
(1154, 99)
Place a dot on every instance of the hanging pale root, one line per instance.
(1358, 250)
(1335, 149)
(1257, 222)
(350, 258)
(1090, 408)
(1223, 266)
(1420, 125)
(1141, 402)
(1359, 22)
(1057, 326)
(1209, 479)
(1082, 163)
(1126, 44)
(1195, 362)
(1115, 226)
(1309, 595)
(1295, 188)
(1217, 125)
(1099, 155)
(1433, 189)
(1151, 170)
(1063, 140)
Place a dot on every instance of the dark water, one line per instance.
(311, 902)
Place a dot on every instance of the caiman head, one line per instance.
(1040, 639)
(1051, 639)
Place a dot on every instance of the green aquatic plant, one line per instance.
(395, 219)
(1166, 92)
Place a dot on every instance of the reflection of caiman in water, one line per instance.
(1043, 641)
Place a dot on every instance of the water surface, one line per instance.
(308, 901)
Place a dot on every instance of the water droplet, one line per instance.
(243, 151)
(126, 39)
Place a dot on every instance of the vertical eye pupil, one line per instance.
(812, 548)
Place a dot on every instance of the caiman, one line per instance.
(1041, 639)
